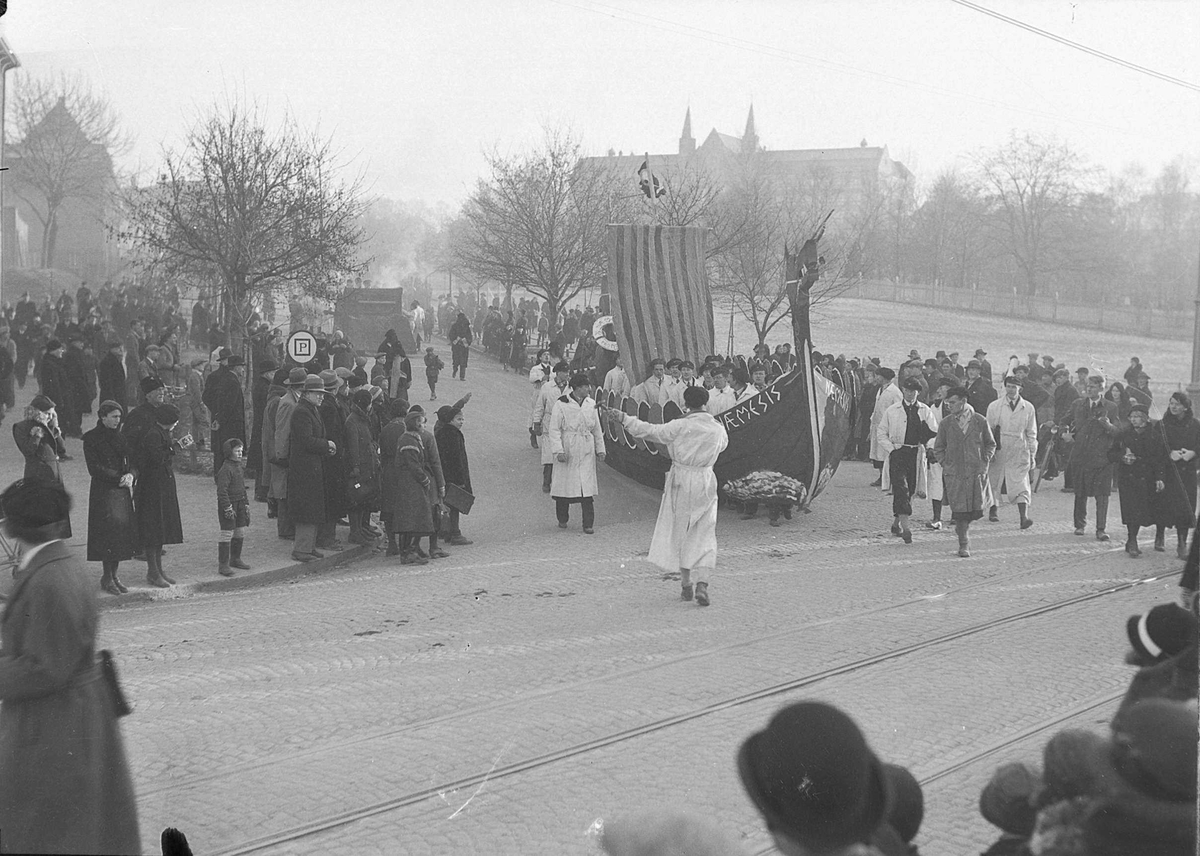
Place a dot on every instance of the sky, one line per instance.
(415, 93)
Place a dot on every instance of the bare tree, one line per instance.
(537, 222)
(950, 237)
(1034, 184)
(66, 138)
(252, 208)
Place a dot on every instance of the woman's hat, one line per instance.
(42, 403)
(34, 503)
(330, 379)
(361, 398)
(53, 345)
(413, 420)
(1162, 632)
(150, 383)
(447, 412)
(814, 778)
(1138, 407)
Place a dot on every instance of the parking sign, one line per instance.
(302, 346)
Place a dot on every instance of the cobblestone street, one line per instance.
(506, 698)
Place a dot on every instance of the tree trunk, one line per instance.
(49, 238)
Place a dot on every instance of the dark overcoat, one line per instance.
(227, 407)
(65, 785)
(40, 448)
(452, 447)
(154, 495)
(964, 457)
(1182, 433)
(389, 466)
(411, 504)
(111, 373)
(112, 524)
(1089, 467)
(56, 385)
(83, 390)
(308, 450)
(1137, 482)
(362, 453)
(258, 407)
(334, 469)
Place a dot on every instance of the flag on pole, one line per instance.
(649, 182)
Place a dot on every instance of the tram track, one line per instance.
(940, 592)
(534, 762)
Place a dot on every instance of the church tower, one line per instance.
(750, 136)
(687, 143)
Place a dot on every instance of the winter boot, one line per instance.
(235, 554)
(106, 580)
(223, 559)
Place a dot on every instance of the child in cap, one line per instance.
(233, 509)
(433, 365)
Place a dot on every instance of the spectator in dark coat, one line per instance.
(389, 467)
(83, 383)
(155, 496)
(258, 404)
(55, 383)
(452, 447)
(980, 392)
(412, 504)
(1091, 427)
(308, 449)
(112, 525)
(362, 466)
(65, 785)
(461, 338)
(333, 416)
(140, 419)
(1181, 437)
(111, 375)
(437, 489)
(226, 404)
(1142, 463)
(39, 439)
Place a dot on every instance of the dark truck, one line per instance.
(365, 314)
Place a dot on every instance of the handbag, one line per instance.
(108, 669)
(361, 491)
(458, 499)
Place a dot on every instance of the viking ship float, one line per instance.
(658, 296)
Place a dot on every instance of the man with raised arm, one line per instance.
(685, 536)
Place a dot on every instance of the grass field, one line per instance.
(887, 330)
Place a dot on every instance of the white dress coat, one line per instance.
(538, 376)
(720, 400)
(890, 435)
(1018, 447)
(574, 429)
(543, 407)
(685, 535)
(888, 396)
(653, 391)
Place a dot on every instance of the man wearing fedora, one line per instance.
(278, 420)
(308, 450)
(985, 368)
(226, 404)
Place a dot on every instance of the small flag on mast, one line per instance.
(648, 180)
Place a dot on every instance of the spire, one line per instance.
(687, 143)
(750, 136)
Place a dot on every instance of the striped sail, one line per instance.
(658, 295)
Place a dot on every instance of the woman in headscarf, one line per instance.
(112, 525)
(460, 345)
(65, 785)
(1176, 505)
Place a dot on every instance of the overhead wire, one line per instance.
(688, 30)
(1099, 54)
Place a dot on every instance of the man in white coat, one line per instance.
(685, 536)
(617, 381)
(655, 389)
(577, 442)
(889, 394)
(1013, 420)
(539, 374)
(721, 397)
(543, 407)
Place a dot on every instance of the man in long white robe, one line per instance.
(576, 441)
(685, 536)
(543, 407)
(1014, 419)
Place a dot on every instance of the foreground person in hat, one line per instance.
(65, 785)
(820, 788)
(308, 448)
(685, 535)
(226, 404)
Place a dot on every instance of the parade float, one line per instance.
(793, 431)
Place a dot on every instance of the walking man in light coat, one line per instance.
(685, 535)
(1013, 420)
(543, 408)
(576, 442)
(889, 394)
(903, 432)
